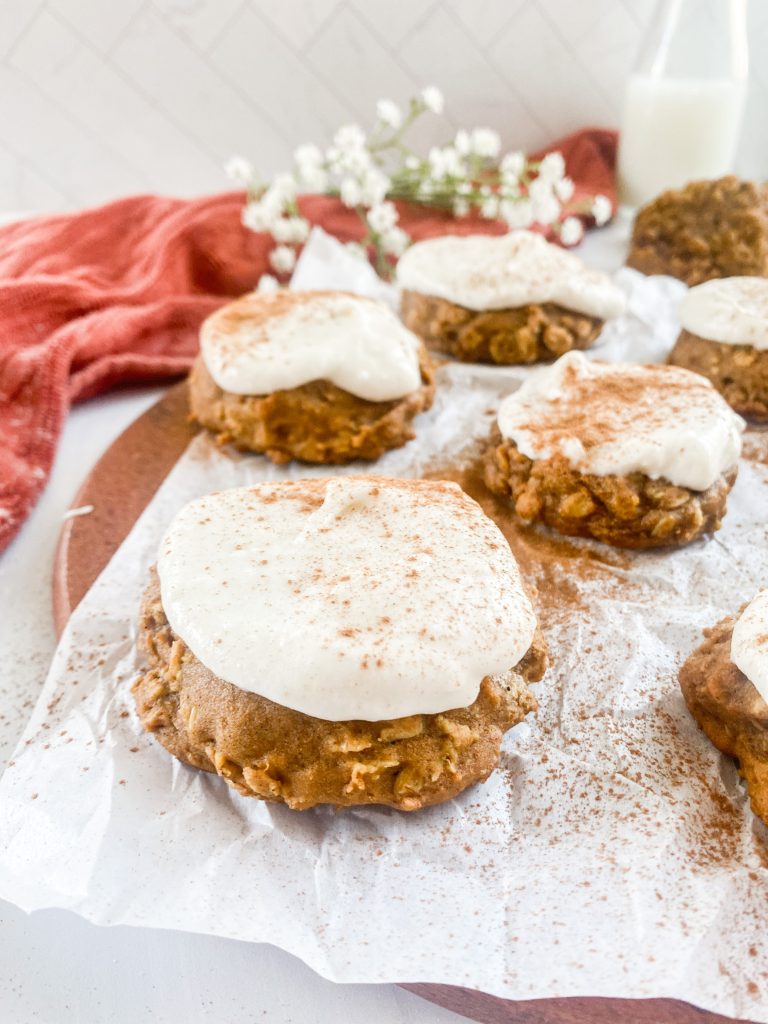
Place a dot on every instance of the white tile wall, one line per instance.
(100, 98)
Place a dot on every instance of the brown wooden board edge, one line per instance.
(119, 487)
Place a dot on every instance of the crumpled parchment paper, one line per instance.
(612, 853)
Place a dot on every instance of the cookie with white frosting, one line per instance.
(725, 685)
(323, 377)
(510, 299)
(356, 640)
(725, 337)
(635, 456)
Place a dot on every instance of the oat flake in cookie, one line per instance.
(635, 456)
(357, 640)
(513, 298)
(725, 338)
(725, 684)
(324, 377)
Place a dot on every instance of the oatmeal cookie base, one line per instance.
(630, 511)
(265, 750)
(729, 710)
(317, 422)
(528, 334)
(739, 372)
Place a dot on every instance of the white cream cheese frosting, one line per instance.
(270, 342)
(620, 418)
(348, 598)
(506, 271)
(731, 310)
(749, 643)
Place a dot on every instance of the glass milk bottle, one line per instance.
(685, 97)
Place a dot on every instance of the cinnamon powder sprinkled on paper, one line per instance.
(561, 574)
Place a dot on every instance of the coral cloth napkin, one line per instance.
(115, 295)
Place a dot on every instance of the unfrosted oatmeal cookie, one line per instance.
(708, 229)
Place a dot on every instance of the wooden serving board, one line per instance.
(119, 488)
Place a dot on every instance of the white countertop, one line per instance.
(56, 968)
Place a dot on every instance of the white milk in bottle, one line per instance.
(684, 101)
(676, 130)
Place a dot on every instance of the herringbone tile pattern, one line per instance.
(100, 98)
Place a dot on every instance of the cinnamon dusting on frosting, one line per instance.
(379, 599)
(607, 419)
(267, 342)
(484, 272)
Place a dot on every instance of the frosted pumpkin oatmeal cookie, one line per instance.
(323, 377)
(512, 298)
(357, 640)
(635, 456)
(725, 338)
(713, 228)
(725, 685)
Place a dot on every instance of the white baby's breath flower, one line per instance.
(355, 249)
(485, 143)
(463, 142)
(552, 167)
(464, 188)
(432, 98)
(283, 259)
(508, 190)
(446, 163)
(256, 217)
(564, 189)
(349, 138)
(239, 170)
(358, 161)
(284, 185)
(540, 190)
(389, 113)
(375, 186)
(517, 213)
(512, 166)
(460, 207)
(412, 163)
(300, 228)
(279, 195)
(382, 217)
(267, 283)
(546, 210)
(349, 152)
(490, 207)
(281, 230)
(309, 167)
(571, 231)
(290, 229)
(602, 210)
(315, 179)
(350, 192)
(395, 242)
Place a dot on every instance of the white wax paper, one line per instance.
(612, 853)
